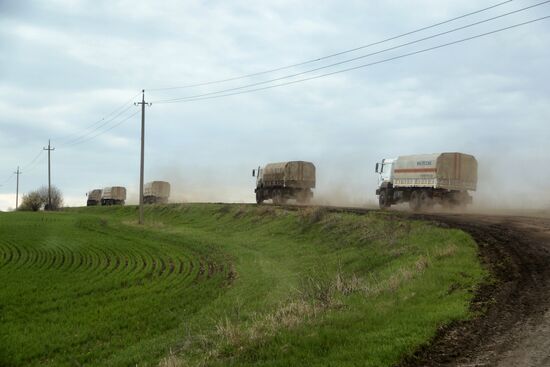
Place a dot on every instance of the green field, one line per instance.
(219, 285)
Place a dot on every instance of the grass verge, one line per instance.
(219, 285)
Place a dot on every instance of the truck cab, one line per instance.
(385, 177)
(384, 169)
(258, 173)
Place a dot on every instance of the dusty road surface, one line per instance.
(515, 327)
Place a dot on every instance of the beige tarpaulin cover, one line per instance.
(451, 171)
(292, 173)
(159, 189)
(95, 195)
(114, 193)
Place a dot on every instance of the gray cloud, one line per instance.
(65, 64)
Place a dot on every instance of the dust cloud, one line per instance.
(199, 184)
(506, 186)
(497, 192)
(337, 195)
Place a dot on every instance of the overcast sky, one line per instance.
(66, 64)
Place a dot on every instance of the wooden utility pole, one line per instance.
(49, 149)
(142, 103)
(18, 172)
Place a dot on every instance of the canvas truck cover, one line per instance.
(95, 195)
(159, 189)
(450, 171)
(114, 193)
(298, 174)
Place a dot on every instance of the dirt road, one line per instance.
(513, 326)
(514, 329)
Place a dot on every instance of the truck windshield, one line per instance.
(385, 172)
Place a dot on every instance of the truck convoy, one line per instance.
(94, 197)
(427, 179)
(285, 180)
(113, 195)
(156, 192)
(422, 180)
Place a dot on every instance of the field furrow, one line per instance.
(223, 285)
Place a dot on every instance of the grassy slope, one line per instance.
(224, 285)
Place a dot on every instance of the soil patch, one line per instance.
(517, 252)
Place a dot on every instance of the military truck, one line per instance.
(156, 192)
(94, 197)
(285, 180)
(113, 195)
(427, 179)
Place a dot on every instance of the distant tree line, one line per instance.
(38, 199)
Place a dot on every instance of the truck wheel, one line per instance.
(304, 196)
(259, 197)
(458, 206)
(426, 201)
(414, 201)
(277, 197)
(383, 200)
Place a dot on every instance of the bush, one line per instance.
(31, 202)
(38, 199)
(57, 197)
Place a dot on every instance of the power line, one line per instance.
(35, 164)
(10, 177)
(352, 59)
(65, 138)
(7, 180)
(33, 160)
(104, 131)
(360, 66)
(106, 122)
(334, 54)
(115, 114)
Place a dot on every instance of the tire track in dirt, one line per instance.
(514, 326)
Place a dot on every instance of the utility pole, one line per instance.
(49, 149)
(142, 103)
(18, 172)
